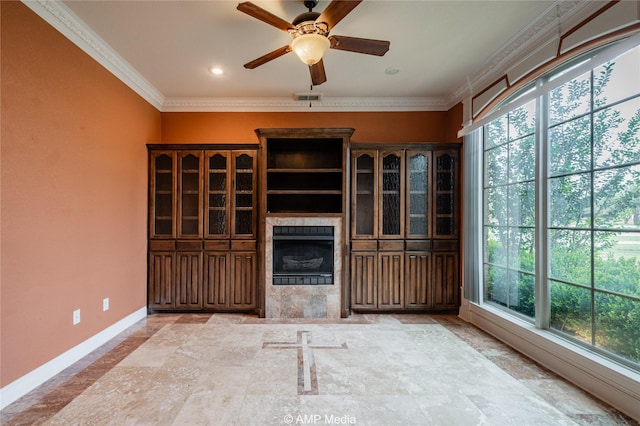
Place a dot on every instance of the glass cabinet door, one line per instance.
(445, 195)
(244, 203)
(217, 194)
(365, 200)
(162, 198)
(391, 190)
(418, 165)
(190, 200)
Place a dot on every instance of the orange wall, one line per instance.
(238, 127)
(74, 189)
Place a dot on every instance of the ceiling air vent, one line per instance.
(307, 96)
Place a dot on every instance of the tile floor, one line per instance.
(226, 369)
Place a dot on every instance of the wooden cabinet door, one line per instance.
(391, 189)
(390, 280)
(162, 194)
(243, 283)
(217, 194)
(364, 194)
(418, 191)
(188, 280)
(189, 194)
(446, 190)
(216, 280)
(244, 195)
(417, 279)
(364, 291)
(445, 281)
(160, 289)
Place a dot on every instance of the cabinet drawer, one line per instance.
(364, 245)
(393, 245)
(446, 245)
(243, 245)
(418, 245)
(160, 245)
(189, 245)
(216, 245)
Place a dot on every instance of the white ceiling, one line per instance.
(438, 46)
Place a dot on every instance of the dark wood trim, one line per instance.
(307, 133)
(584, 23)
(201, 146)
(405, 146)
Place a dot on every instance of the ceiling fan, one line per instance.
(311, 39)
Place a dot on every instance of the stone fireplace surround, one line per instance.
(303, 301)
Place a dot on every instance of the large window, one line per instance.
(586, 131)
(509, 210)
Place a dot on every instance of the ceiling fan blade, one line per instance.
(318, 75)
(268, 57)
(359, 45)
(263, 15)
(337, 10)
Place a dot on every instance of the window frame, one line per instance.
(543, 86)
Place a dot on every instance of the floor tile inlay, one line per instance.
(307, 372)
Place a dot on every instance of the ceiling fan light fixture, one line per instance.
(310, 47)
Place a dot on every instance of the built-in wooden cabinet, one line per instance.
(202, 228)
(399, 206)
(404, 228)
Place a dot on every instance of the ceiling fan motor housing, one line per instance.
(305, 23)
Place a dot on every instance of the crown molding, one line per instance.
(327, 104)
(59, 16)
(558, 17)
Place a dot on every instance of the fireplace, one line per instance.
(287, 295)
(303, 255)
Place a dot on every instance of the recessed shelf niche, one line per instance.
(304, 175)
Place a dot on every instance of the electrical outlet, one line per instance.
(105, 304)
(76, 316)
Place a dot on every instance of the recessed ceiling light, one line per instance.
(392, 71)
(216, 70)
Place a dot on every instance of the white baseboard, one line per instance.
(35, 378)
(613, 383)
(465, 310)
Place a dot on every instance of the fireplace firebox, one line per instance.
(303, 255)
